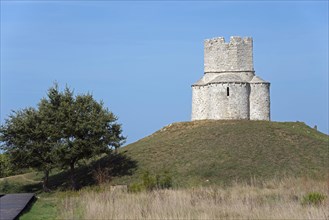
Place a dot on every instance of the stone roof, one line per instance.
(200, 82)
(228, 78)
(231, 77)
(257, 79)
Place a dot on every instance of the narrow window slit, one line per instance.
(228, 91)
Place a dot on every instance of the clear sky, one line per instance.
(141, 58)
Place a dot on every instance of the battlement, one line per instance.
(233, 40)
(234, 56)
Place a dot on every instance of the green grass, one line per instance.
(28, 182)
(219, 152)
(45, 207)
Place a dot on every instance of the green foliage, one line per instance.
(164, 181)
(6, 168)
(8, 187)
(82, 127)
(313, 198)
(64, 130)
(150, 182)
(24, 137)
(136, 187)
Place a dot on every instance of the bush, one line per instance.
(101, 175)
(6, 168)
(313, 198)
(150, 182)
(136, 187)
(164, 181)
(6, 187)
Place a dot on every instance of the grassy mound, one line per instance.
(217, 152)
(203, 153)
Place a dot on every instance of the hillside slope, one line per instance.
(214, 152)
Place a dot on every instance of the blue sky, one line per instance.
(141, 58)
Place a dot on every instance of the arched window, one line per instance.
(228, 91)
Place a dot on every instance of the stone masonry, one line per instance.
(229, 88)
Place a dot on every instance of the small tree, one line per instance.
(24, 139)
(81, 126)
(64, 130)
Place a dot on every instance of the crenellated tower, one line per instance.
(235, 56)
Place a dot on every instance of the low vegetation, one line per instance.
(7, 168)
(275, 199)
(46, 207)
(313, 198)
(28, 182)
(151, 182)
(89, 173)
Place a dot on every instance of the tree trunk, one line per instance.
(72, 176)
(45, 181)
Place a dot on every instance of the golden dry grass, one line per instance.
(276, 199)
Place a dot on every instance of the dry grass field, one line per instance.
(276, 199)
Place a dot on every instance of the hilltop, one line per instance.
(216, 152)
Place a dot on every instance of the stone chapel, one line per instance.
(229, 88)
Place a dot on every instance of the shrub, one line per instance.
(6, 168)
(150, 182)
(6, 187)
(313, 198)
(101, 175)
(164, 181)
(136, 187)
